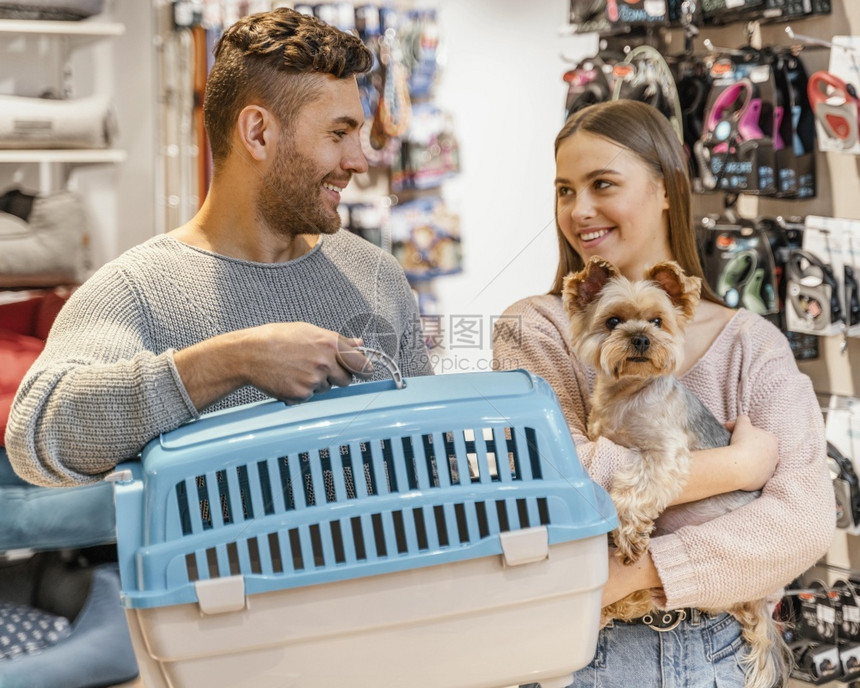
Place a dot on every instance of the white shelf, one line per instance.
(72, 156)
(85, 29)
(75, 33)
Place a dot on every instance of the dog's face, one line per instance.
(625, 328)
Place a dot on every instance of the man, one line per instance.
(259, 295)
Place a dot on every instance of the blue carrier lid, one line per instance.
(361, 480)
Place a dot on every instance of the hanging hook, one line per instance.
(811, 40)
(710, 47)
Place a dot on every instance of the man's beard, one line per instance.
(290, 202)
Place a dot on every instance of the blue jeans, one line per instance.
(702, 652)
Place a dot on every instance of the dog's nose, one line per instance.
(640, 342)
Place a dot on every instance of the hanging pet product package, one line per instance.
(822, 290)
(439, 532)
(833, 96)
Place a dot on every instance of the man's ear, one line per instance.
(256, 130)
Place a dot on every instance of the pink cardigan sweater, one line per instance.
(749, 369)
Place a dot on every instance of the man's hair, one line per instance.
(274, 59)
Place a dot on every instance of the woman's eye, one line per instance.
(601, 184)
(612, 323)
(657, 322)
(563, 191)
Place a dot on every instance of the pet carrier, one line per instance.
(439, 531)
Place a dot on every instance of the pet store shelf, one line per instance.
(80, 31)
(54, 156)
(54, 164)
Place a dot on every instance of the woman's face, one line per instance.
(609, 203)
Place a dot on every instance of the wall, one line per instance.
(503, 83)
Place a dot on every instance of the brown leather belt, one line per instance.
(666, 620)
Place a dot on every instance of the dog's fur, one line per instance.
(632, 333)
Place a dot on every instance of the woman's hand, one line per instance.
(625, 580)
(755, 454)
(747, 463)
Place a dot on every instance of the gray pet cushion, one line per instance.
(67, 10)
(26, 631)
(27, 122)
(51, 241)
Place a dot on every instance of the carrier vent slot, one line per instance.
(266, 488)
(191, 567)
(420, 529)
(534, 453)
(286, 483)
(275, 552)
(462, 524)
(338, 542)
(362, 538)
(441, 525)
(523, 513)
(502, 515)
(296, 550)
(418, 462)
(543, 511)
(358, 538)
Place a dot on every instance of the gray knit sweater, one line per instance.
(106, 382)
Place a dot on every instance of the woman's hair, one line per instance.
(647, 132)
(274, 59)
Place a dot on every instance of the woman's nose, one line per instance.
(582, 207)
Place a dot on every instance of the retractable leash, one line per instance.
(584, 11)
(731, 120)
(835, 105)
(845, 487)
(852, 289)
(778, 114)
(647, 78)
(587, 85)
(841, 313)
(812, 290)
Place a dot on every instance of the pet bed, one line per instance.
(42, 646)
(27, 122)
(93, 651)
(45, 246)
(69, 10)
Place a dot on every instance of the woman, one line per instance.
(622, 193)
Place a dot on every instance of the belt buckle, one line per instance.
(664, 621)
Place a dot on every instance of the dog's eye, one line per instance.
(657, 322)
(612, 323)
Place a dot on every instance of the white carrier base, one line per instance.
(472, 624)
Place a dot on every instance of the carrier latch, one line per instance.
(525, 546)
(220, 595)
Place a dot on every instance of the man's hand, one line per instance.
(287, 361)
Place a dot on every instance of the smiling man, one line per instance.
(259, 295)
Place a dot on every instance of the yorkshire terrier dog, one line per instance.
(632, 334)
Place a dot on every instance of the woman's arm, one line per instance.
(746, 464)
(533, 335)
(756, 549)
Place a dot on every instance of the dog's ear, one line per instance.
(581, 288)
(684, 290)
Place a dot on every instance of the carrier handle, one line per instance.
(383, 359)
